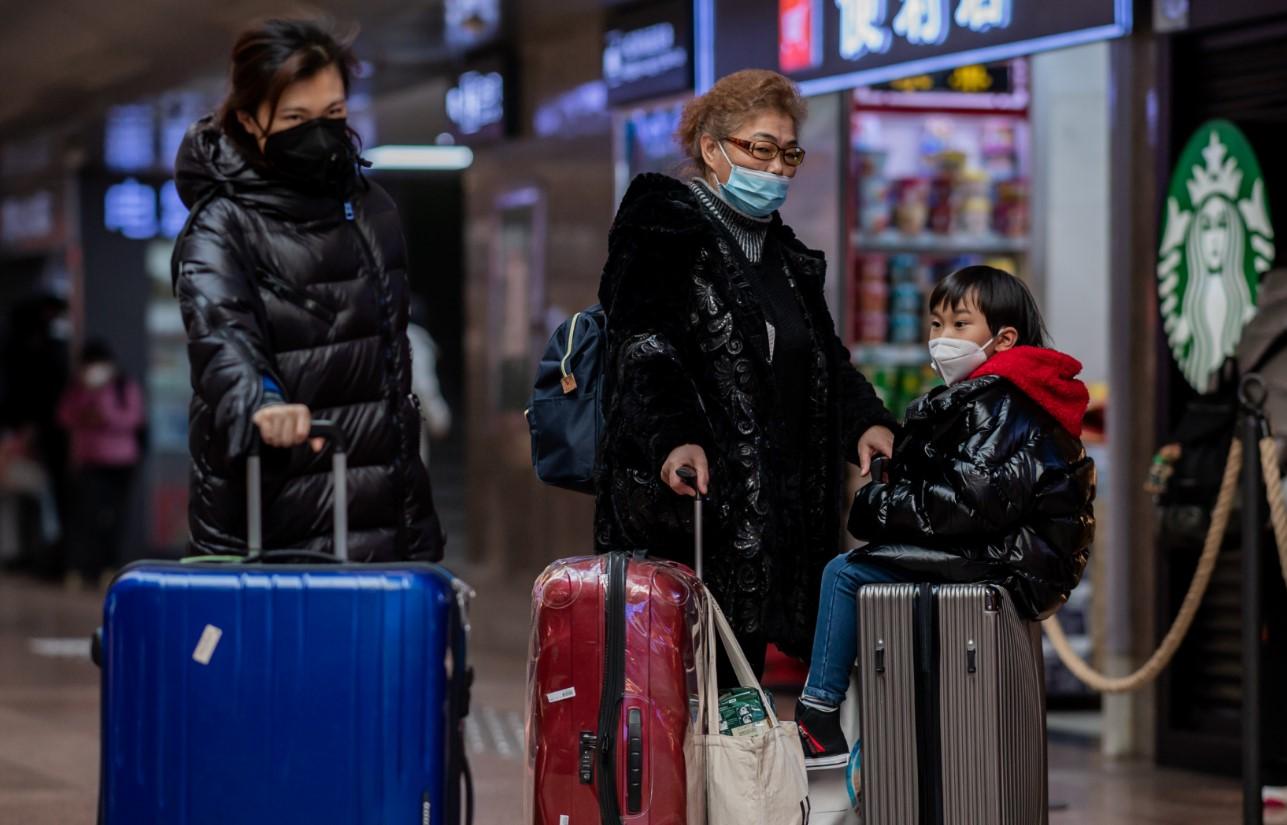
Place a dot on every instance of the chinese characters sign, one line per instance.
(919, 22)
(835, 44)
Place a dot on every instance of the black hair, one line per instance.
(1003, 299)
(97, 351)
(270, 56)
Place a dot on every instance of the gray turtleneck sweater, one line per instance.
(748, 231)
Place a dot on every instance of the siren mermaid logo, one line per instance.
(1216, 243)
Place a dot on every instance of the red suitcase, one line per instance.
(613, 692)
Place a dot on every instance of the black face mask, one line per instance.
(319, 153)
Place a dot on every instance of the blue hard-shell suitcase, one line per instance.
(269, 694)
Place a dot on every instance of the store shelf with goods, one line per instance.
(900, 373)
(939, 179)
(928, 243)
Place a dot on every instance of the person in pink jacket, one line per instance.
(103, 413)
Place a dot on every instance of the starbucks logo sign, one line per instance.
(1216, 243)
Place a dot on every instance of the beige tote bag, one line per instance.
(750, 780)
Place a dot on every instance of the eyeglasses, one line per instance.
(767, 150)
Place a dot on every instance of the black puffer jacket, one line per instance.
(312, 292)
(990, 482)
(688, 363)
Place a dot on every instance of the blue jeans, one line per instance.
(835, 642)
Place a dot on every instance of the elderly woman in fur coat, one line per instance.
(724, 358)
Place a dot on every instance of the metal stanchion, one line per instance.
(1251, 395)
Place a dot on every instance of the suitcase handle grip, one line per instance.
(319, 428)
(323, 428)
(689, 476)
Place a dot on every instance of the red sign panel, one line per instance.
(799, 43)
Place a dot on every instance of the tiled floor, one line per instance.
(49, 733)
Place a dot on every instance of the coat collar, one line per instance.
(666, 207)
(210, 163)
(658, 209)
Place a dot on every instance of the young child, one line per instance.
(989, 483)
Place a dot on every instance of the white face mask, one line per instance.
(955, 359)
(98, 375)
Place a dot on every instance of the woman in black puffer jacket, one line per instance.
(291, 276)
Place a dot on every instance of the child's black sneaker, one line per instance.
(820, 734)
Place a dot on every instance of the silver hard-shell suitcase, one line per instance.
(953, 707)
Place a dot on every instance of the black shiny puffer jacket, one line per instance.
(990, 483)
(312, 292)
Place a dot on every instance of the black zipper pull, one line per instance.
(348, 210)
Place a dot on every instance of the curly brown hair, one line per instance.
(730, 103)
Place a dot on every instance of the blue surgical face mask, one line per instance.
(758, 194)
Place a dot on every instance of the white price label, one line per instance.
(560, 695)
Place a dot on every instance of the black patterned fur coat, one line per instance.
(688, 363)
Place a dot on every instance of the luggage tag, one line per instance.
(207, 644)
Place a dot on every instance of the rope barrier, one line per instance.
(1274, 491)
(1192, 600)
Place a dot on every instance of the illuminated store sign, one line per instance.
(140, 212)
(471, 23)
(129, 140)
(828, 45)
(478, 103)
(647, 52)
(799, 34)
(129, 208)
(27, 218)
(580, 111)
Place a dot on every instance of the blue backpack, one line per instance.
(566, 411)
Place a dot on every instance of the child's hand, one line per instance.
(876, 441)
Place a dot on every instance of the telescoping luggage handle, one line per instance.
(339, 466)
(689, 476)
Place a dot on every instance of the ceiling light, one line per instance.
(420, 158)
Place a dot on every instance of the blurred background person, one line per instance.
(435, 413)
(33, 376)
(103, 414)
